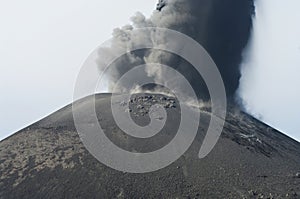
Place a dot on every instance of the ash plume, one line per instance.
(221, 27)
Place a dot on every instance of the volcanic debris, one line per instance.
(140, 105)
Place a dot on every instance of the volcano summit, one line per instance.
(250, 160)
(50, 158)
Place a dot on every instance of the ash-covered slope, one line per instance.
(250, 160)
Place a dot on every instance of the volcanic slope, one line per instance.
(48, 159)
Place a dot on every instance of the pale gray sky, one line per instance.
(44, 43)
(42, 46)
(271, 84)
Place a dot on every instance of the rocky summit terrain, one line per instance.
(250, 160)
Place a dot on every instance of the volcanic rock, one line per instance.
(48, 160)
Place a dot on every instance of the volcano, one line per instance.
(250, 160)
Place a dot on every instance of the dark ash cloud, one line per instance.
(221, 27)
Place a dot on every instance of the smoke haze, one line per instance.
(221, 27)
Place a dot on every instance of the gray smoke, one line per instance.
(221, 27)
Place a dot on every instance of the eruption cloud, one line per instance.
(222, 32)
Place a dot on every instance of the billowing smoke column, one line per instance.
(221, 27)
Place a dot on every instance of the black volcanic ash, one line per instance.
(221, 27)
